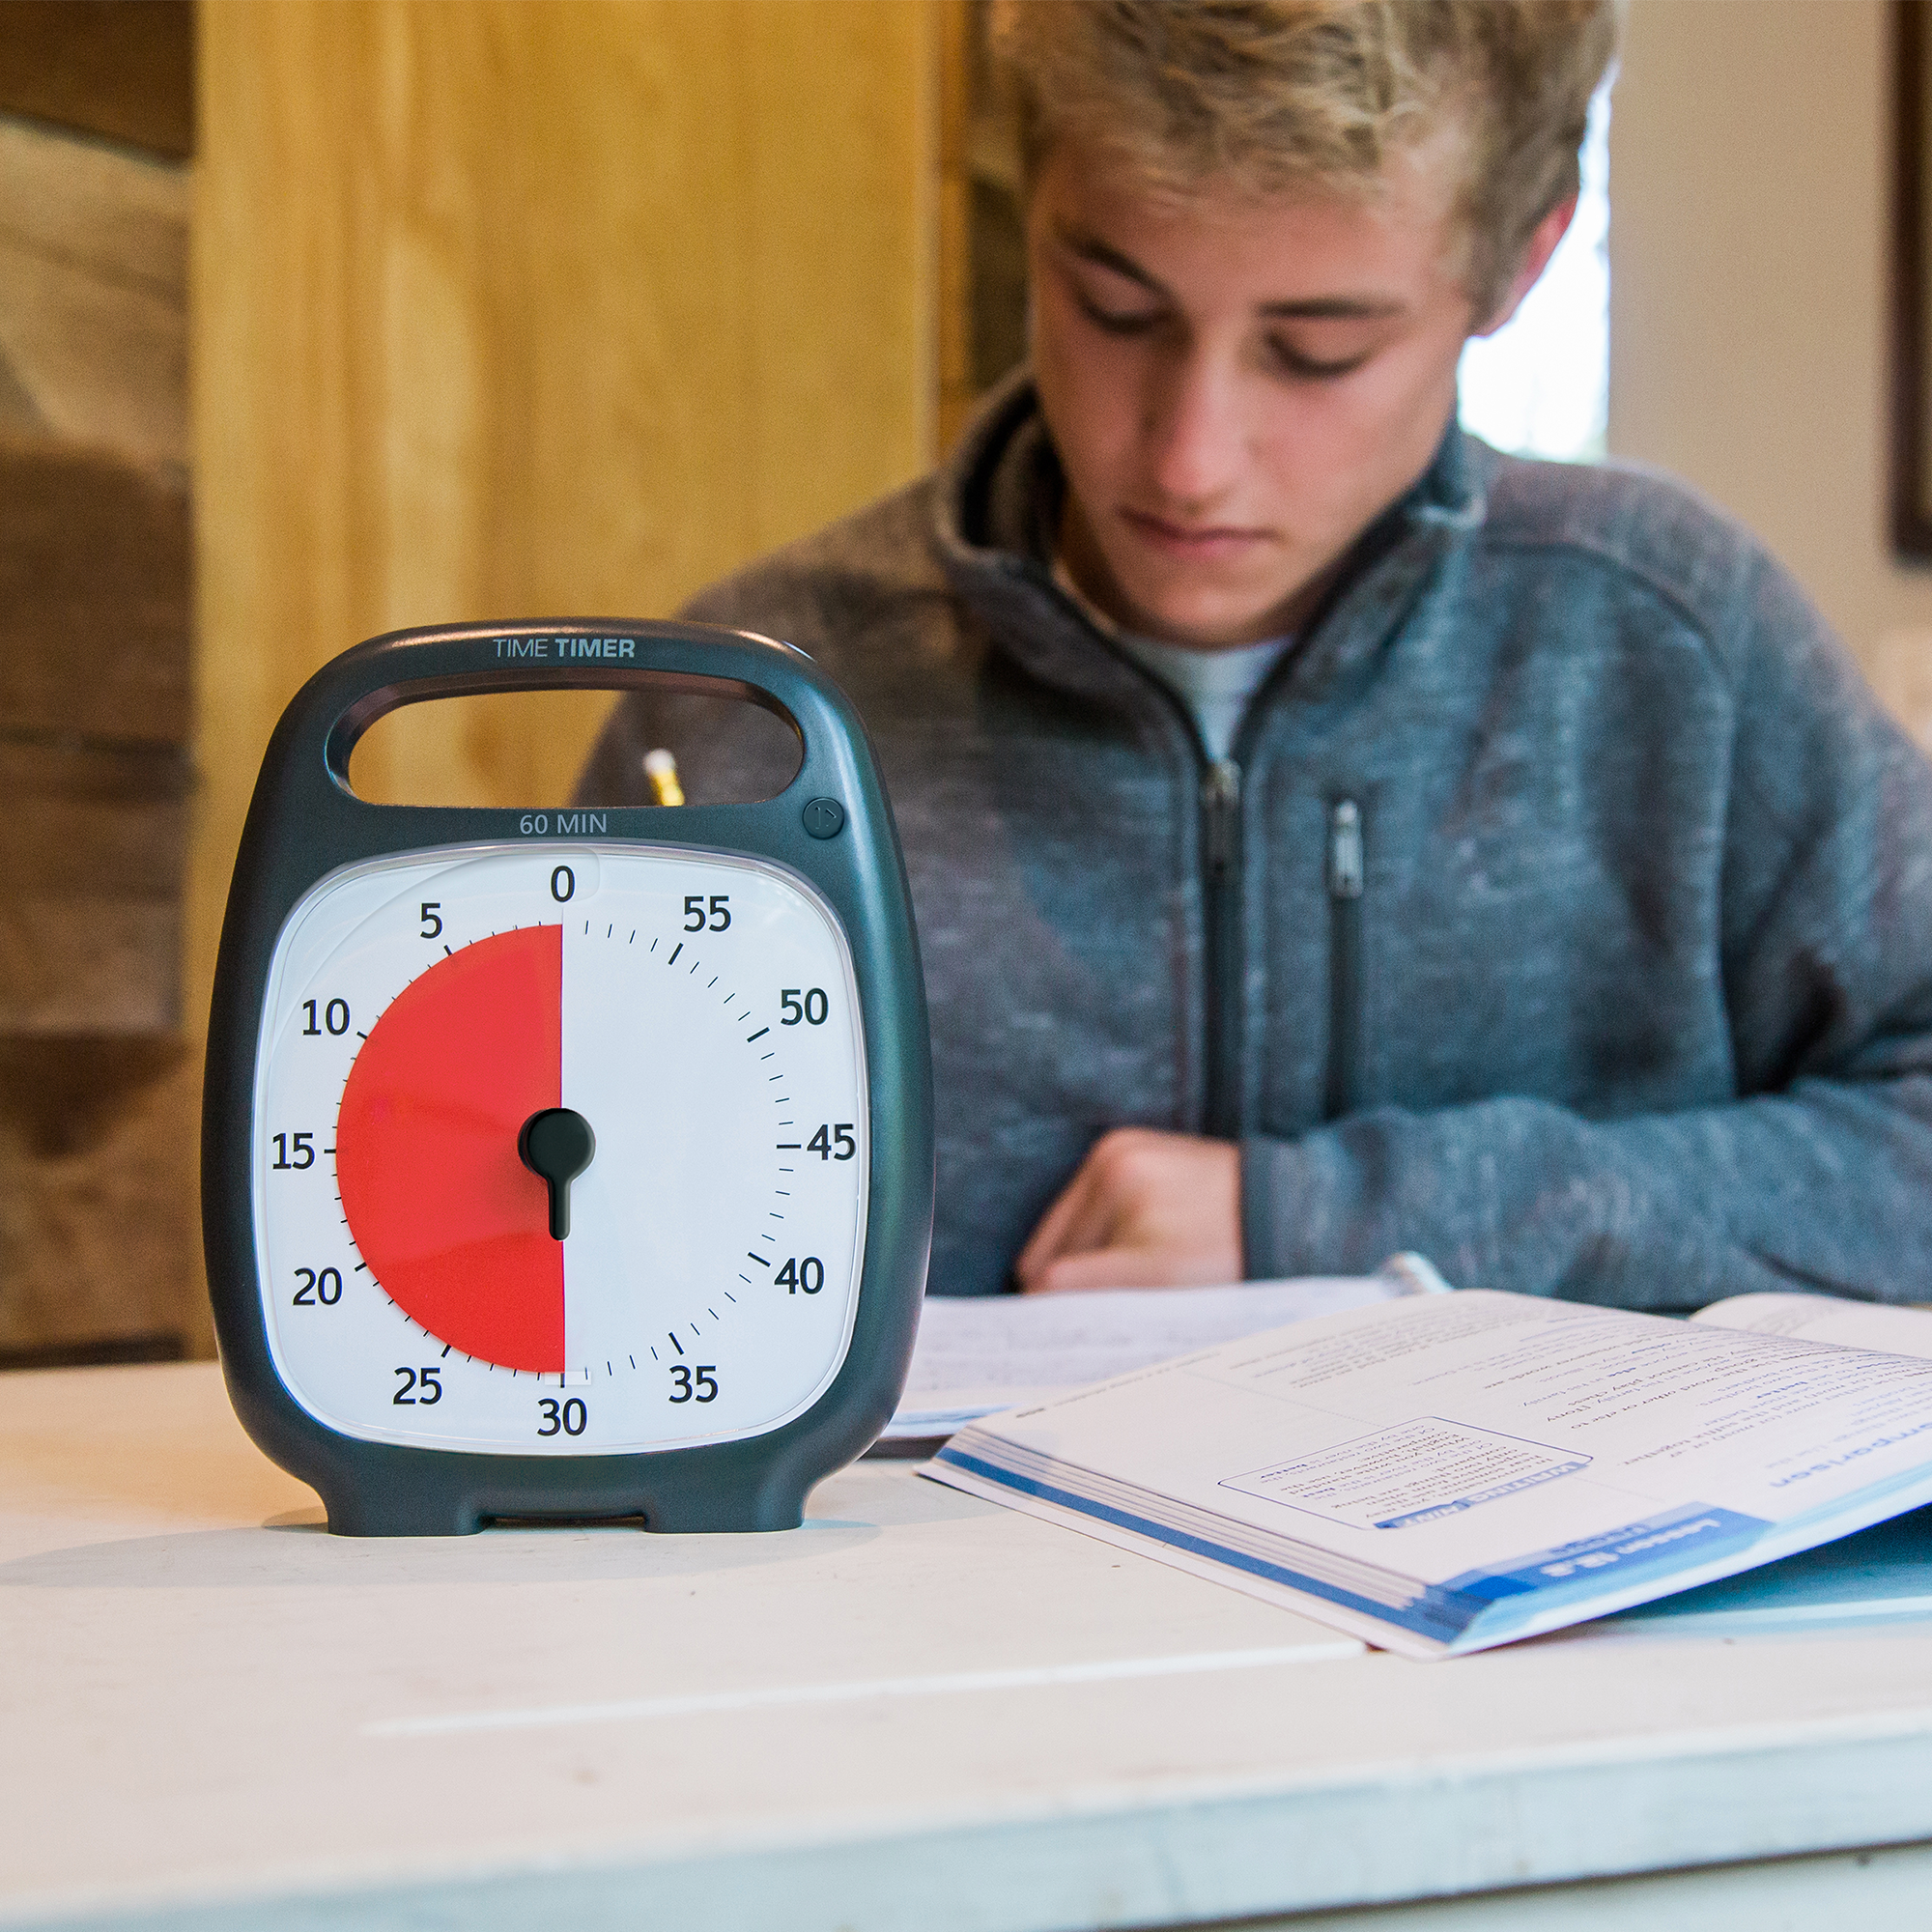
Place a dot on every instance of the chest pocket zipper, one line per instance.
(1345, 875)
(1221, 811)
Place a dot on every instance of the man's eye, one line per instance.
(1116, 321)
(1291, 362)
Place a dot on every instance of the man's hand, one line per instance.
(1146, 1210)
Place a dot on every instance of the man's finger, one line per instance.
(1114, 1267)
(1103, 1196)
(1078, 1219)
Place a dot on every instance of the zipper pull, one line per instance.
(1221, 805)
(1345, 850)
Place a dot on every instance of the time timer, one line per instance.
(566, 1162)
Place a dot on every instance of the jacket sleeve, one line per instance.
(1818, 1174)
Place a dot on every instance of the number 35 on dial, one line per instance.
(560, 1148)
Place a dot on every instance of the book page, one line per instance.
(1448, 1472)
(1827, 1317)
(980, 1353)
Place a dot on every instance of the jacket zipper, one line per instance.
(1345, 954)
(1221, 832)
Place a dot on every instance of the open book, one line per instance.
(980, 1353)
(1442, 1473)
(1824, 1318)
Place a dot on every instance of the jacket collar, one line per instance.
(997, 508)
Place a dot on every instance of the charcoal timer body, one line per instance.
(566, 1162)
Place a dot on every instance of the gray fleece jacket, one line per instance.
(1564, 912)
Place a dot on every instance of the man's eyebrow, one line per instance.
(1333, 308)
(1091, 248)
(1312, 308)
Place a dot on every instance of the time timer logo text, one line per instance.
(559, 650)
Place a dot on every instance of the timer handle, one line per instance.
(412, 666)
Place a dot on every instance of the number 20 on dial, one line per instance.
(560, 1169)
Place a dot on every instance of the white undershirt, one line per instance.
(1216, 686)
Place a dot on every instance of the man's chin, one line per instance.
(1202, 623)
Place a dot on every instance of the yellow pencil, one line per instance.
(661, 768)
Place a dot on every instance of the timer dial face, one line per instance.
(559, 1148)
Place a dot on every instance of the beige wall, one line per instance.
(1750, 181)
(510, 309)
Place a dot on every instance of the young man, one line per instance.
(1328, 837)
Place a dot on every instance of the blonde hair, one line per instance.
(1280, 95)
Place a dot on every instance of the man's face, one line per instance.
(1236, 387)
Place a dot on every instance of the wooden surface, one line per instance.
(98, 1244)
(93, 295)
(510, 310)
(94, 595)
(956, 23)
(92, 835)
(103, 66)
(917, 1712)
(99, 1229)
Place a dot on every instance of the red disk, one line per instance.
(451, 1222)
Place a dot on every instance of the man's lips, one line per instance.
(1200, 541)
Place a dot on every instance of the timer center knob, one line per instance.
(556, 1145)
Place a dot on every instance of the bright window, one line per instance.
(1541, 384)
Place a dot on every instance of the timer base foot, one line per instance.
(401, 1516)
(723, 1515)
(417, 1511)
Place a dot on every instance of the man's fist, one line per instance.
(1146, 1210)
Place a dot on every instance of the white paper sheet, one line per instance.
(1449, 1472)
(979, 1355)
(1827, 1317)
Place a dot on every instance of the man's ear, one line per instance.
(1543, 241)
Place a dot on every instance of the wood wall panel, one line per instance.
(105, 67)
(93, 593)
(955, 26)
(528, 310)
(100, 1236)
(97, 1249)
(92, 837)
(93, 292)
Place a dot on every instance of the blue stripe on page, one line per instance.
(1433, 1613)
(1679, 1539)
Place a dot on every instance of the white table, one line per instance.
(916, 1713)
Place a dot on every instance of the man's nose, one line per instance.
(1193, 430)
